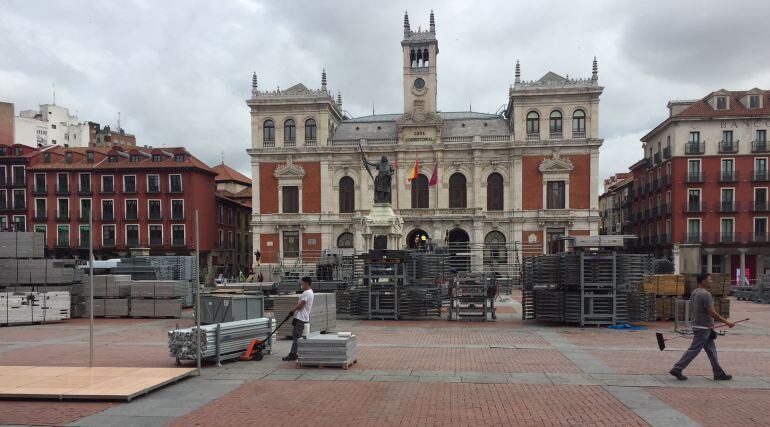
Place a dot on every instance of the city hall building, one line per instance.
(528, 175)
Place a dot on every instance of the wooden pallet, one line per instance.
(344, 365)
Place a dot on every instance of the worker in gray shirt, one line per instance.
(702, 306)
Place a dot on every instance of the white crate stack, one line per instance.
(323, 315)
(33, 307)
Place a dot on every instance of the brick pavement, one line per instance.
(356, 403)
(461, 360)
(652, 362)
(46, 412)
(449, 337)
(720, 407)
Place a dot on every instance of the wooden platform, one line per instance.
(71, 383)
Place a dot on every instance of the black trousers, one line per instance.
(298, 327)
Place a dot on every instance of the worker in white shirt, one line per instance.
(301, 315)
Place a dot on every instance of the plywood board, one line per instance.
(102, 383)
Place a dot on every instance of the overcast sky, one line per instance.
(179, 71)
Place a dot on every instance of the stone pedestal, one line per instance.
(382, 221)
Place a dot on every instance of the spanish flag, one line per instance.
(415, 170)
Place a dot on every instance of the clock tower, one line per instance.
(420, 51)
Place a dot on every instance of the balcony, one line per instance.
(759, 147)
(178, 243)
(695, 177)
(729, 176)
(156, 242)
(533, 137)
(726, 147)
(760, 176)
(653, 240)
(19, 205)
(665, 180)
(731, 206)
(646, 188)
(129, 190)
(665, 209)
(761, 237)
(19, 182)
(155, 216)
(692, 148)
(269, 143)
(290, 143)
(62, 217)
(84, 216)
(62, 191)
(311, 143)
(40, 191)
(108, 217)
(108, 243)
(654, 213)
(62, 245)
(657, 158)
(40, 216)
(693, 207)
(553, 136)
(693, 237)
(578, 134)
(108, 190)
(153, 190)
(85, 191)
(667, 153)
(656, 185)
(132, 243)
(176, 217)
(729, 237)
(175, 189)
(132, 216)
(664, 239)
(759, 206)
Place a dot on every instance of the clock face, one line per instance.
(419, 83)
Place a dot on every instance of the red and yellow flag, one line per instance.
(415, 171)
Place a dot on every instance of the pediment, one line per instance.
(289, 170)
(424, 119)
(556, 165)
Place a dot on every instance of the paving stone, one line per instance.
(110, 421)
(282, 377)
(649, 407)
(485, 380)
(440, 379)
(396, 378)
(628, 380)
(571, 379)
(354, 377)
(528, 378)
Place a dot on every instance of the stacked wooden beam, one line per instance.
(157, 298)
(33, 307)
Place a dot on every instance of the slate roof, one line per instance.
(460, 123)
(226, 173)
(701, 108)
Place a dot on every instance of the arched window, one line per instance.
(420, 192)
(345, 240)
(555, 122)
(425, 57)
(268, 131)
(457, 191)
(495, 251)
(495, 192)
(310, 129)
(412, 59)
(533, 122)
(289, 131)
(347, 195)
(579, 121)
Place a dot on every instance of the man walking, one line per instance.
(301, 315)
(702, 306)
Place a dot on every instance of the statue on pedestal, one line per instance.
(384, 177)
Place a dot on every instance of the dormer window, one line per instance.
(90, 157)
(721, 102)
(134, 158)
(157, 158)
(46, 157)
(178, 157)
(754, 101)
(112, 158)
(17, 151)
(68, 157)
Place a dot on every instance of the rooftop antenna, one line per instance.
(470, 104)
(372, 108)
(54, 93)
(118, 121)
(223, 157)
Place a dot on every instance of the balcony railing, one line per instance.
(759, 206)
(693, 237)
(155, 216)
(576, 134)
(691, 148)
(62, 191)
(729, 237)
(40, 216)
(40, 191)
(555, 136)
(269, 143)
(84, 216)
(729, 176)
(761, 237)
(177, 242)
(108, 217)
(108, 190)
(533, 136)
(646, 188)
(289, 142)
(693, 207)
(656, 185)
(156, 242)
(132, 243)
(665, 180)
(653, 213)
(664, 239)
(109, 243)
(85, 191)
(759, 147)
(132, 216)
(311, 143)
(63, 217)
(693, 177)
(657, 158)
(760, 175)
(731, 206)
(665, 209)
(728, 147)
(19, 205)
(667, 153)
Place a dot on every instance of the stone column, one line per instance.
(709, 262)
(594, 188)
(675, 255)
(516, 201)
(476, 184)
(477, 244)
(743, 251)
(326, 187)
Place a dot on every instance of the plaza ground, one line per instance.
(432, 372)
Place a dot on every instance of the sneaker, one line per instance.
(289, 358)
(678, 375)
(723, 377)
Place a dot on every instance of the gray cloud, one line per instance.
(179, 71)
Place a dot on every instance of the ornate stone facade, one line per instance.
(529, 174)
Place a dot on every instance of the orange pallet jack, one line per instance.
(257, 346)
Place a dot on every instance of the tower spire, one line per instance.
(432, 22)
(339, 99)
(323, 80)
(407, 30)
(517, 74)
(254, 85)
(595, 73)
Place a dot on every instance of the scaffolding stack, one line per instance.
(587, 288)
(472, 297)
